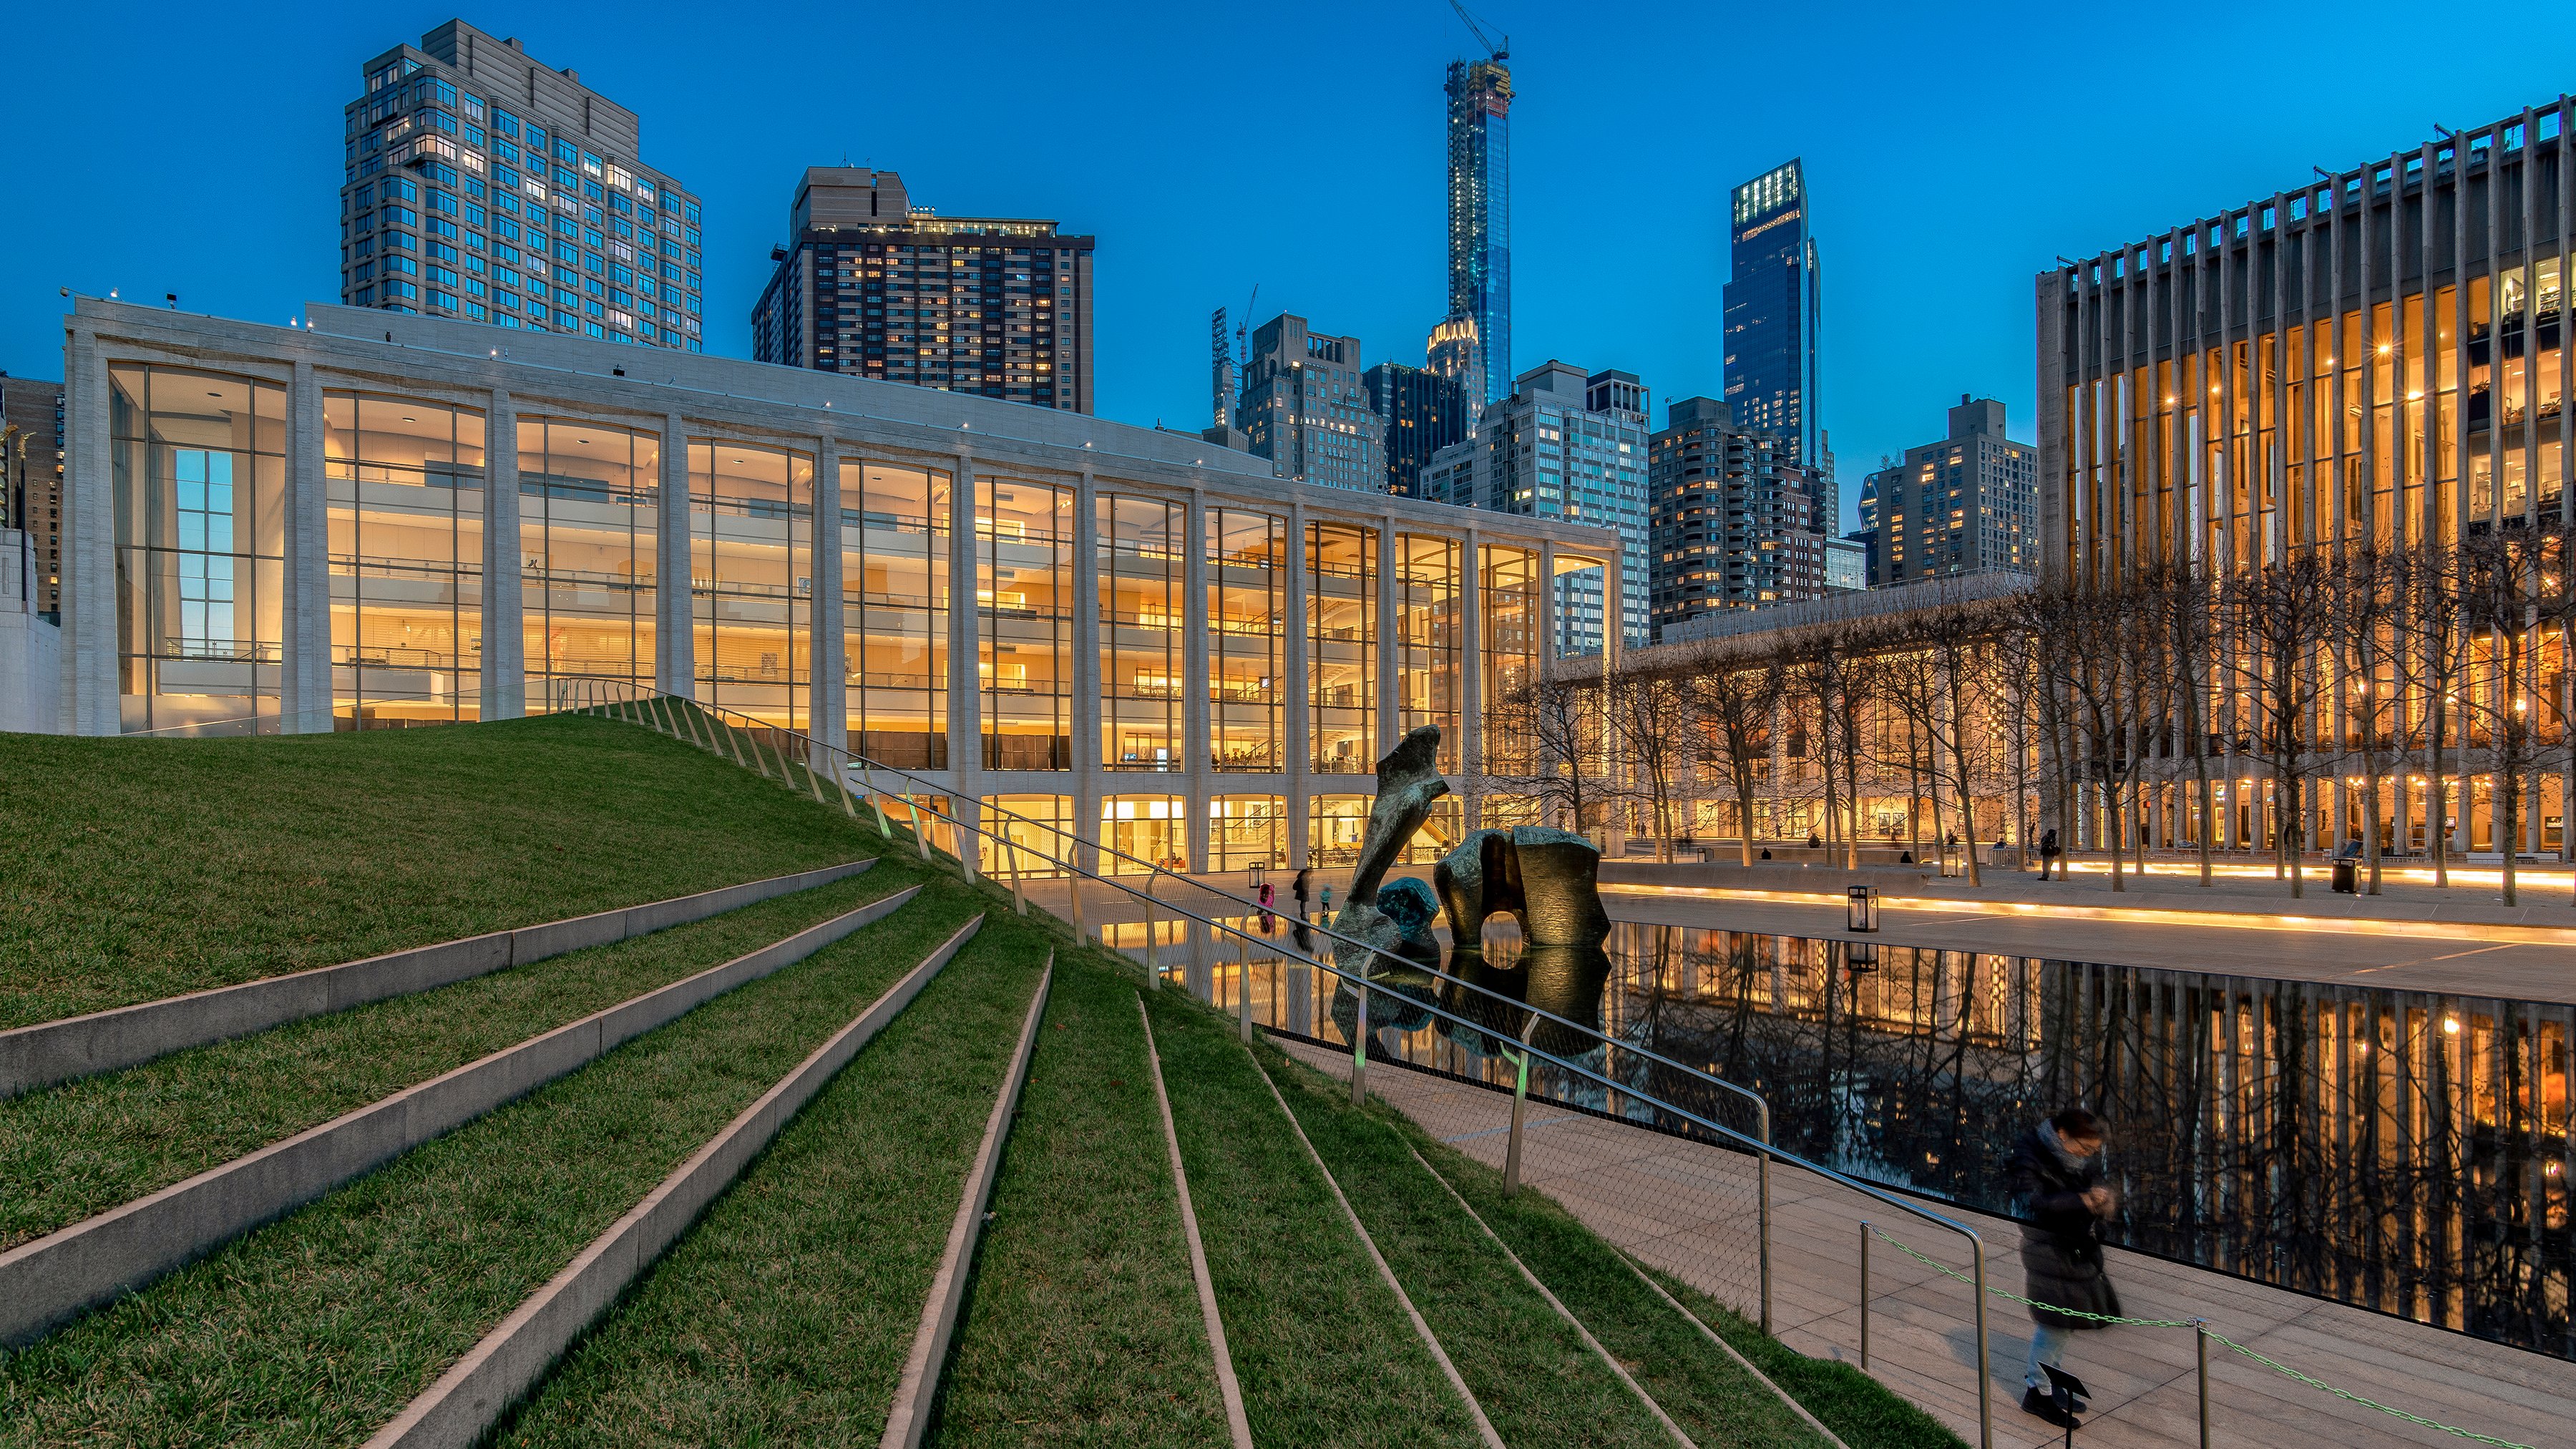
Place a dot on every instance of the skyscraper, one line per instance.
(1772, 318)
(1305, 409)
(481, 185)
(1424, 412)
(1480, 215)
(871, 285)
(1730, 515)
(1564, 444)
(1454, 353)
(1968, 504)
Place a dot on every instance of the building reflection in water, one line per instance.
(2396, 1150)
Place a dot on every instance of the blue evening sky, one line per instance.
(156, 147)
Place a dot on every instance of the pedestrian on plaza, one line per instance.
(1298, 888)
(1269, 922)
(1325, 914)
(2057, 1185)
(2047, 852)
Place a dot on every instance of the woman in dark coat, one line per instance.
(2057, 1182)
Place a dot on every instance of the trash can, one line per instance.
(2344, 882)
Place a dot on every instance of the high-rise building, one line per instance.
(484, 186)
(1730, 515)
(1480, 212)
(31, 482)
(1846, 565)
(1306, 409)
(1572, 445)
(1772, 317)
(871, 285)
(1222, 385)
(1454, 353)
(2186, 380)
(1424, 412)
(1968, 504)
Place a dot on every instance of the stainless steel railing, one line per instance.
(709, 728)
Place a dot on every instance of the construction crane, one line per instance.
(1242, 348)
(1492, 51)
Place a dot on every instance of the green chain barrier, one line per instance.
(2273, 1364)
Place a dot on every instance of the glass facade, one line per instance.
(1509, 625)
(1341, 647)
(1247, 612)
(1140, 571)
(1335, 826)
(1037, 826)
(1146, 827)
(1247, 830)
(406, 486)
(1024, 606)
(1426, 638)
(751, 578)
(199, 478)
(587, 494)
(894, 594)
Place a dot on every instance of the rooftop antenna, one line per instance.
(1493, 51)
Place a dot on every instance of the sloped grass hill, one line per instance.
(140, 869)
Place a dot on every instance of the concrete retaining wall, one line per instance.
(472, 1395)
(56, 1277)
(79, 1046)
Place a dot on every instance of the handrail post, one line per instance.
(1864, 1295)
(1359, 1046)
(849, 802)
(1762, 1176)
(1985, 1369)
(1153, 974)
(1512, 1151)
(2200, 1337)
(1243, 991)
(876, 802)
(920, 837)
(1019, 893)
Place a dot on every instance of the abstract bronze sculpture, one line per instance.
(1548, 880)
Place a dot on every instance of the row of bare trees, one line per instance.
(2001, 716)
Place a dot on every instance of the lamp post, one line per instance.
(1860, 910)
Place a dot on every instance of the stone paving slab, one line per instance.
(1923, 1344)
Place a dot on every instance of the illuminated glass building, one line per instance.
(483, 186)
(1480, 214)
(270, 528)
(1773, 319)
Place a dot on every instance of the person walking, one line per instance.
(1268, 922)
(2047, 851)
(2057, 1183)
(1298, 888)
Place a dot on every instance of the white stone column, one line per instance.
(1090, 778)
(827, 665)
(1195, 720)
(305, 681)
(1297, 694)
(1389, 628)
(675, 645)
(505, 642)
(1543, 606)
(965, 695)
(91, 677)
(1471, 680)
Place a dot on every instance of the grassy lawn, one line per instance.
(1323, 1350)
(143, 868)
(89, 1145)
(319, 1327)
(786, 1314)
(1539, 1383)
(1083, 1325)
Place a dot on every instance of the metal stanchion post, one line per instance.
(876, 802)
(1864, 1293)
(1359, 1047)
(1512, 1151)
(920, 837)
(1762, 1176)
(1985, 1366)
(2200, 1335)
(1243, 988)
(1019, 892)
(849, 802)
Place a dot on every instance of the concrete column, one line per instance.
(505, 643)
(1194, 673)
(1297, 693)
(1471, 680)
(827, 665)
(965, 629)
(1389, 628)
(1544, 602)
(91, 677)
(1090, 777)
(675, 644)
(305, 682)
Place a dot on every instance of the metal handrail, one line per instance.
(1763, 1151)
(1761, 1104)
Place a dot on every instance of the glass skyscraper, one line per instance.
(1772, 317)
(1480, 218)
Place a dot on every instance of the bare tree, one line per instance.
(1649, 712)
(2282, 618)
(2496, 585)
(1557, 728)
(2368, 596)
(1735, 701)
(2432, 655)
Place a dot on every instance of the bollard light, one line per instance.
(1860, 909)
